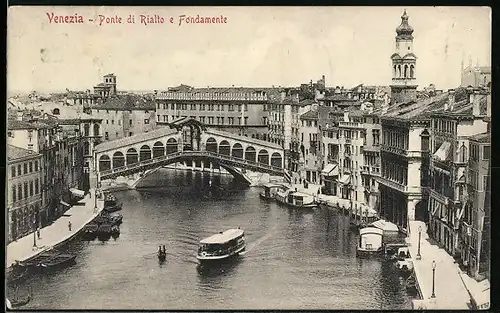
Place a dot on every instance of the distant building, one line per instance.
(124, 116)
(311, 161)
(477, 76)
(238, 110)
(24, 192)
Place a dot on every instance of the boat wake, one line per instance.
(260, 240)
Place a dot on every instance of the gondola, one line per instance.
(115, 231)
(58, 262)
(90, 232)
(104, 232)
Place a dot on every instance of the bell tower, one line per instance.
(404, 85)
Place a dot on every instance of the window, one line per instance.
(486, 152)
(146, 121)
(13, 171)
(20, 191)
(31, 188)
(130, 122)
(116, 135)
(112, 122)
(107, 122)
(26, 190)
(25, 166)
(36, 166)
(14, 196)
(106, 136)
(31, 167)
(130, 133)
(485, 182)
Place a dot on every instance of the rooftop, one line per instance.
(481, 138)
(16, 153)
(310, 115)
(135, 139)
(126, 102)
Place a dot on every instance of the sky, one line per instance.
(257, 47)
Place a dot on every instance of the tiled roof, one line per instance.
(307, 102)
(482, 138)
(135, 139)
(126, 102)
(16, 153)
(310, 115)
(338, 97)
(17, 125)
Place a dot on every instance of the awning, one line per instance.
(345, 179)
(440, 170)
(330, 170)
(443, 151)
(66, 204)
(77, 192)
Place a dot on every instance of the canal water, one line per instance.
(294, 259)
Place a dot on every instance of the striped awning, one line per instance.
(330, 170)
(77, 192)
(442, 153)
(345, 179)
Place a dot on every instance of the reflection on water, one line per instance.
(294, 259)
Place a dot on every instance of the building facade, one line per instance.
(311, 160)
(476, 76)
(124, 115)
(24, 191)
(242, 111)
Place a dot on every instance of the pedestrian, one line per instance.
(38, 233)
(69, 225)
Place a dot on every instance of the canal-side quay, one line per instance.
(58, 233)
(450, 288)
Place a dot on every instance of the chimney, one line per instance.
(451, 100)
(346, 116)
(19, 115)
(475, 99)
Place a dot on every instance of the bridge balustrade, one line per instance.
(188, 154)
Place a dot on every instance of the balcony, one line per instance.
(393, 150)
(392, 184)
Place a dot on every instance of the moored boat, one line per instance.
(370, 242)
(270, 191)
(296, 199)
(111, 204)
(222, 245)
(57, 262)
(89, 232)
(104, 232)
(115, 231)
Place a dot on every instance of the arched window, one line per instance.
(399, 71)
(412, 71)
(424, 140)
(395, 72)
(406, 71)
(462, 154)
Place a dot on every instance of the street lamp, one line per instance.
(433, 278)
(34, 234)
(419, 236)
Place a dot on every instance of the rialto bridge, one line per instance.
(187, 141)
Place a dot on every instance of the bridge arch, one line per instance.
(237, 151)
(132, 156)
(211, 145)
(118, 159)
(263, 157)
(276, 160)
(104, 163)
(158, 149)
(171, 146)
(224, 148)
(250, 154)
(145, 153)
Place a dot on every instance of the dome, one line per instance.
(404, 30)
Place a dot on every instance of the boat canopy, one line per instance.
(223, 237)
(371, 230)
(386, 226)
(271, 185)
(77, 192)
